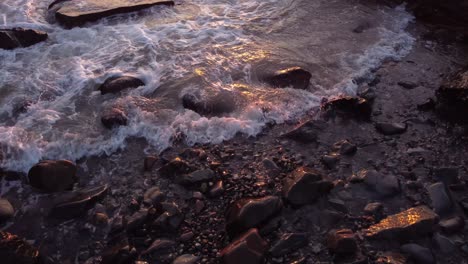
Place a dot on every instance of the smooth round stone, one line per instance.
(6, 210)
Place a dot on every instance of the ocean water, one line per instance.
(201, 46)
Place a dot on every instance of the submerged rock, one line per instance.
(76, 13)
(196, 177)
(175, 168)
(412, 222)
(250, 248)
(120, 83)
(73, 204)
(307, 132)
(342, 241)
(53, 175)
(114, 118)
(248, 213)
(391, 128)
(294, 77)
(287, 243)
(6, 210)
(418, 253)
(16, 250)
(210, 105)
(20, 38)
(305, 186)
(348, 106)
(452, 97)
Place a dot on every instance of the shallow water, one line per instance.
(202, 46)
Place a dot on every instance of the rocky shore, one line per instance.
(377, 178)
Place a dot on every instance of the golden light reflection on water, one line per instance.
(402, 220)
(247, 54)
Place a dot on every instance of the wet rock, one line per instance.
(408, 85)
(440, 199)
(247, 213)
(347, 106)
(452, 97)
(383, 185)
(305, 186)
(452, 225)
(375, 210)
(210, 105)
(53, 175)
(391, 258)
(114, 117)
(100, 219)
(271, 167)
(117, 84)
(14, 250)
(77, 13)
(443, 244)
(171, 219)
(153, 196)
(287, 243)
(307, 132)
(160, 246)
(73, 204)
(175, 168)
(391, 128)
(196, 177)
(294, 77)
(6, 210)
(407, 224)
(447, 175)
(344, 147)
(217, 190)
(338, 205)
(149, 162)
(418, 253)
(250, 248)
(342, 241)
(20, 38)
(121, 253)
(136, 220)
(330, 161)
(186, 259)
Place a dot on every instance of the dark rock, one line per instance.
(210, 105)
(391, 128)
(342, 241)
(446, 175)
(363, 26)
(452, 225)
(16, 250)
(247, 213)
(305, 186)
(294, 77)
(383, 185)
(440, 199)
(330, 161)
(345, 147)
(77, 13)
(153, 196)
(408, 85)
(186, 259)
(407, 224)
(20, 38)
(428, 105)
(171, 219)
(72, 204)
(443, 244)
(53, 175)
(114, 117)
(271, 167)
(250, 248)
(418, 253)
(288, 243)
(338, 205)
(149, 162)
(175, 168)
(100, 219)
(6, 210)
(117, 84)
(121, 253)
(375, 210)
(160, 246)
(217, 189)
(194, 153)
(196, 177)
(136, 220)
(307, 132)
(452, 97)
(391, 258)
(347, 106)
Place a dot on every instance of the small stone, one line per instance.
(345, 147)
(391, 258)
(186, 259)
(249, 248)
(153, 196)
(294, 77)
(217, 190)
(338, 205)
(305, 186)
(375, 210)
(347, 107)
(287, 243)
(440, 199)
(330, 161)
(443, 244)
(247, 213)
(175, 168)
(418, 253)
(408, 85)
(342, 241)
(100, 219)
(452, 225)
(117, 84)
(391, 128)
(6, 210)
(384, 185)
(137, 219)
(196, 177)
(307, 132)
(160, 246)
(199, 205)
(407, 224)
(114, 117)
(186, 236)
(149, 162)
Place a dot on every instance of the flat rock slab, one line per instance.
(74, 13)
(414, 221)
(20, 38)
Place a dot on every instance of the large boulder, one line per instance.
(294, 77)
(250, 248)
(14, 249)
(452, 97)
(76, 13)
(305, 186)
(248, 213)
(53, 175)
(20, 38)
(120, 83)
